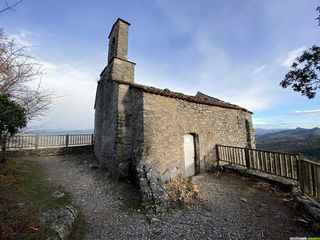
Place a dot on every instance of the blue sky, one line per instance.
(237, 51)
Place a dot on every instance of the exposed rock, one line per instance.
(57, 194)
(309, 205)
(60, 220)
(152, 190)
(94, 166)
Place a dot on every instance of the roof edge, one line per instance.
(188, 98)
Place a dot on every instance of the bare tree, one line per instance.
(18, 71)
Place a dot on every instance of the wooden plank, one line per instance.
(285, 165)
(275, 170)
(270, 162)
(317, 182)
(243, 157)
(247, 158)
(252, 157)
(222, 153)
(232, 155)
(313, 180)
(238, 156)
(295, 166)
(309, 177)
(301, 175)
(260, 160)
(289, 166)
(312, 162)
(267, 161)
(281, 163)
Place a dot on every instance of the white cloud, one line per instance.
(257, 70)
(291, 57)
(75, 88)
(306, 112)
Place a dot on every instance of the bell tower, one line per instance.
(118, 40)
(119, 68)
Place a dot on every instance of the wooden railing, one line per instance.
(277, 163)
(43, 141)
(288, 165)
(309, 177)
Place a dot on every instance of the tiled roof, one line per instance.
(199, 98)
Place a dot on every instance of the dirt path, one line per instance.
(231, 207)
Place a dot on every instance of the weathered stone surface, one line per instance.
(51, 151)
(135, 122)
(166, 120)
(152, 191)
(105, 130)
(118, 40)
(60, 220)
(308, 205)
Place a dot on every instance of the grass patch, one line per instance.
(133, 204)
(24, 194)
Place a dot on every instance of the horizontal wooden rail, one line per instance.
(43, 141)
(309, 178)
(277, 163)
(288, 165)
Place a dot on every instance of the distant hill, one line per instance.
(59, 132)
(262, 131)
(299, 140)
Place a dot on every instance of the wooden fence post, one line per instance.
(247, 157)
(218, 156)
(67, 140)
(300, 173)
(36, 141)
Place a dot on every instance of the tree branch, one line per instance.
(10, 6)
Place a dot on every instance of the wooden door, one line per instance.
(189, 154)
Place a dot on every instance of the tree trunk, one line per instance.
(3, 139)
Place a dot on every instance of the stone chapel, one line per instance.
(176, 133)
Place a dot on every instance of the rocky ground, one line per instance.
(230, 207)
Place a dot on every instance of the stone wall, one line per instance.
(122, 70)
(132, 125)
(118, 126)
(167, 120)
(87, 149)
(106, 123)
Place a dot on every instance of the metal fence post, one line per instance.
(92, 139)
(67, 140)
(247, 157)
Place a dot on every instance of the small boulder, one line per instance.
(60, 220)
(57, 194)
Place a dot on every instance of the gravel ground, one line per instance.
(231, 207)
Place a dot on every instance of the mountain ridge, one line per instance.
(298, 140)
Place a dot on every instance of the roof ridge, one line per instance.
(168, 93)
